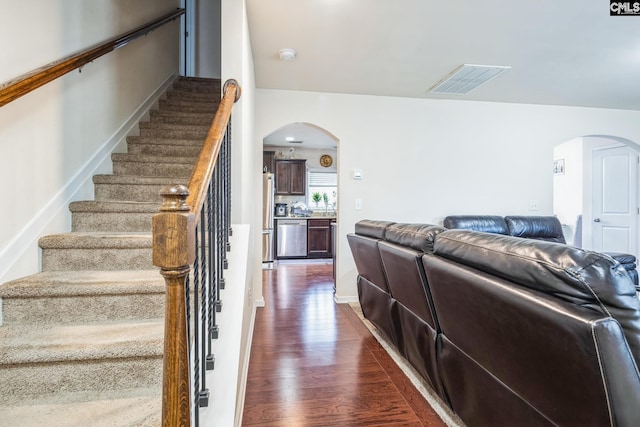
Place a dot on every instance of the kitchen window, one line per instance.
(322, 183)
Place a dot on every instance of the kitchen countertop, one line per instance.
(305, 217)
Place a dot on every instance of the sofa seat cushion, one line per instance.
(536, 227)
(584, 278)
(486, 223)
(372, 228)
(416, 236)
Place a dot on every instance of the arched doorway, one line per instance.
(595, 192)
(302, 160)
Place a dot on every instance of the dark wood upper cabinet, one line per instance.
(319, 238)
(291, 177)
(269, 161)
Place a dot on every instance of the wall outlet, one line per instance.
(534, 205)
(358, 204)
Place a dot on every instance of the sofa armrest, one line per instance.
(619, 372)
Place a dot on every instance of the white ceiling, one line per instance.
(568, 52)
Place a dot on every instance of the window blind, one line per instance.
(323, 179)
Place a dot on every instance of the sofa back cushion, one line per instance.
(367, 258)
(364, 247)
(584, 278)
(372, 228)
(486, 223)
(416, 236)
(536, 227)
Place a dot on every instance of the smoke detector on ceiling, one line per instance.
(467, 77)
(287, 54)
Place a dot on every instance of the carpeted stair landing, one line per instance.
(81, 342)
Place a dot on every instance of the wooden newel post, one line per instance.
(174, 251)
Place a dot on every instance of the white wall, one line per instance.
(48, 136)
(425, 159)
(237, 63)
(568, 188)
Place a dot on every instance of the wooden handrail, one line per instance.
(174, 251)
(203, 170)
(14, 89)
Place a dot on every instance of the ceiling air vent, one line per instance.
(295, 141)
(467, 77)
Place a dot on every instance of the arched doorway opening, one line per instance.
(595, 192)
(301, 159)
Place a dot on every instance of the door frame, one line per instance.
(187, 38)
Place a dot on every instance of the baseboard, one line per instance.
(344, 300)
(245, 368)
(260, 302)
(56, 210)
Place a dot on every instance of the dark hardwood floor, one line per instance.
(314, 363)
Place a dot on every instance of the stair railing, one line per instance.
(14, 89)
(190, 243)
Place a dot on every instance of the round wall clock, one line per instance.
(326, 160)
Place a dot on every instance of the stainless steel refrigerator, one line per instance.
(267, 217)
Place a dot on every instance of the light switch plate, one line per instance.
(358, 204)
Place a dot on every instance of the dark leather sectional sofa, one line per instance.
(507, 331)
(530, 227)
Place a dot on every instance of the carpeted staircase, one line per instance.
(81, 342)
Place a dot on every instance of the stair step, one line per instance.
(144, 165)
(169, 130)
(186, 106)
(96, 251)
(197, 84)
(196, 129)
(196, 142)
(83, 297)
(198, 119)
(208, 96)
(132, 188)
(205, 99)
(138, 411)
(170, 150)
(112, 216)
(40, 363)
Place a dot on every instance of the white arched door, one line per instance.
(615, 200)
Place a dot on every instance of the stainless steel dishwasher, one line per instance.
(292, 238)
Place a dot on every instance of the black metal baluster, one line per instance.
(204, 392)
(224, 161)
(187, 296)
(213, 327)
(228, 198)
(219, 239)
(196, 337)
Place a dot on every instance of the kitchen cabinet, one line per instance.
(268, 161)
(319, 238)
(291, 177)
